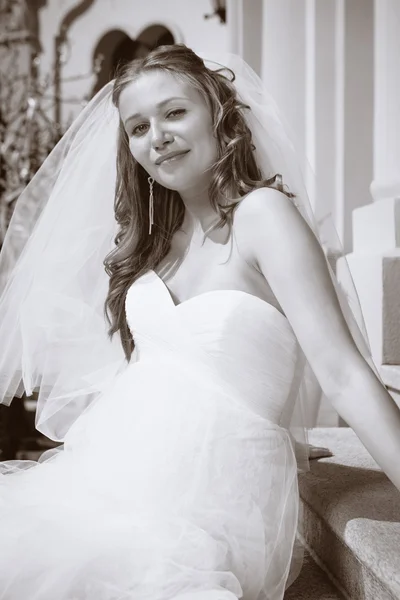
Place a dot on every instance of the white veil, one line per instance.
(53, 283)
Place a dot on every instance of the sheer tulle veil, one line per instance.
(53, 283)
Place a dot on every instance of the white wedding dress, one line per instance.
(179, 482)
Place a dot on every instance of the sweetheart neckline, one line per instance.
(221, 291)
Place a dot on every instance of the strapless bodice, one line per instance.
(230, 337)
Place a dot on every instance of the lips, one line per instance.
(171, 155)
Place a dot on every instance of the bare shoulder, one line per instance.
(263, 197)
(267, 204)
(269, 217)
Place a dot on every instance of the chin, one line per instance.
(178, 183)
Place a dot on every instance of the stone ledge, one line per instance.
(391, 376)
(352, 517)
(312, 584)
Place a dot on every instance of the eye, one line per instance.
(139, 129)
(176, 112)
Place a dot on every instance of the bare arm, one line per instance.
(291, 259)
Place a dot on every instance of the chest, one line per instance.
(222, 262)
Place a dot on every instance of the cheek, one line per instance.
(208, 147)
(138, 152)
(202, 136)
(201, 139)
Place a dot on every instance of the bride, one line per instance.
(177, 476)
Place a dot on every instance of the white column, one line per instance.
(284, 61)
(375, 261)
(244, 22)
(234, 26)
(318, 64)
(299, 67)
(386, 179)
(321, 113)
(354, 110)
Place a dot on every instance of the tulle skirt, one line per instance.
(165, 488)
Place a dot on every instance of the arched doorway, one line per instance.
(155, 35)
(116, 48)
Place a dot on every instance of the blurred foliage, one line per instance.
(27, 134)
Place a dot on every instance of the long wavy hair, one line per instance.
(136, 251)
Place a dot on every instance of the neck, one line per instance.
(199, 213)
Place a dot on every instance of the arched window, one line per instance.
(116, 48)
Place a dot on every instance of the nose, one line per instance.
(160, 138)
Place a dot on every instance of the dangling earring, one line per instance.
(151, 203)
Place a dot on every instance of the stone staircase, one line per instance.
(312, 584)
(351, 523)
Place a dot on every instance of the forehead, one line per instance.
(148, 90)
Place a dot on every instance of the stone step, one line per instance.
(312, 584)
(352, 517)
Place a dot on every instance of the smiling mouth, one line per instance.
(172, 158)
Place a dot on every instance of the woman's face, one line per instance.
(169, 128)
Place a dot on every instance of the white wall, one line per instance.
(184, 18)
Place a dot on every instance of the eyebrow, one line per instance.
(158, 105)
